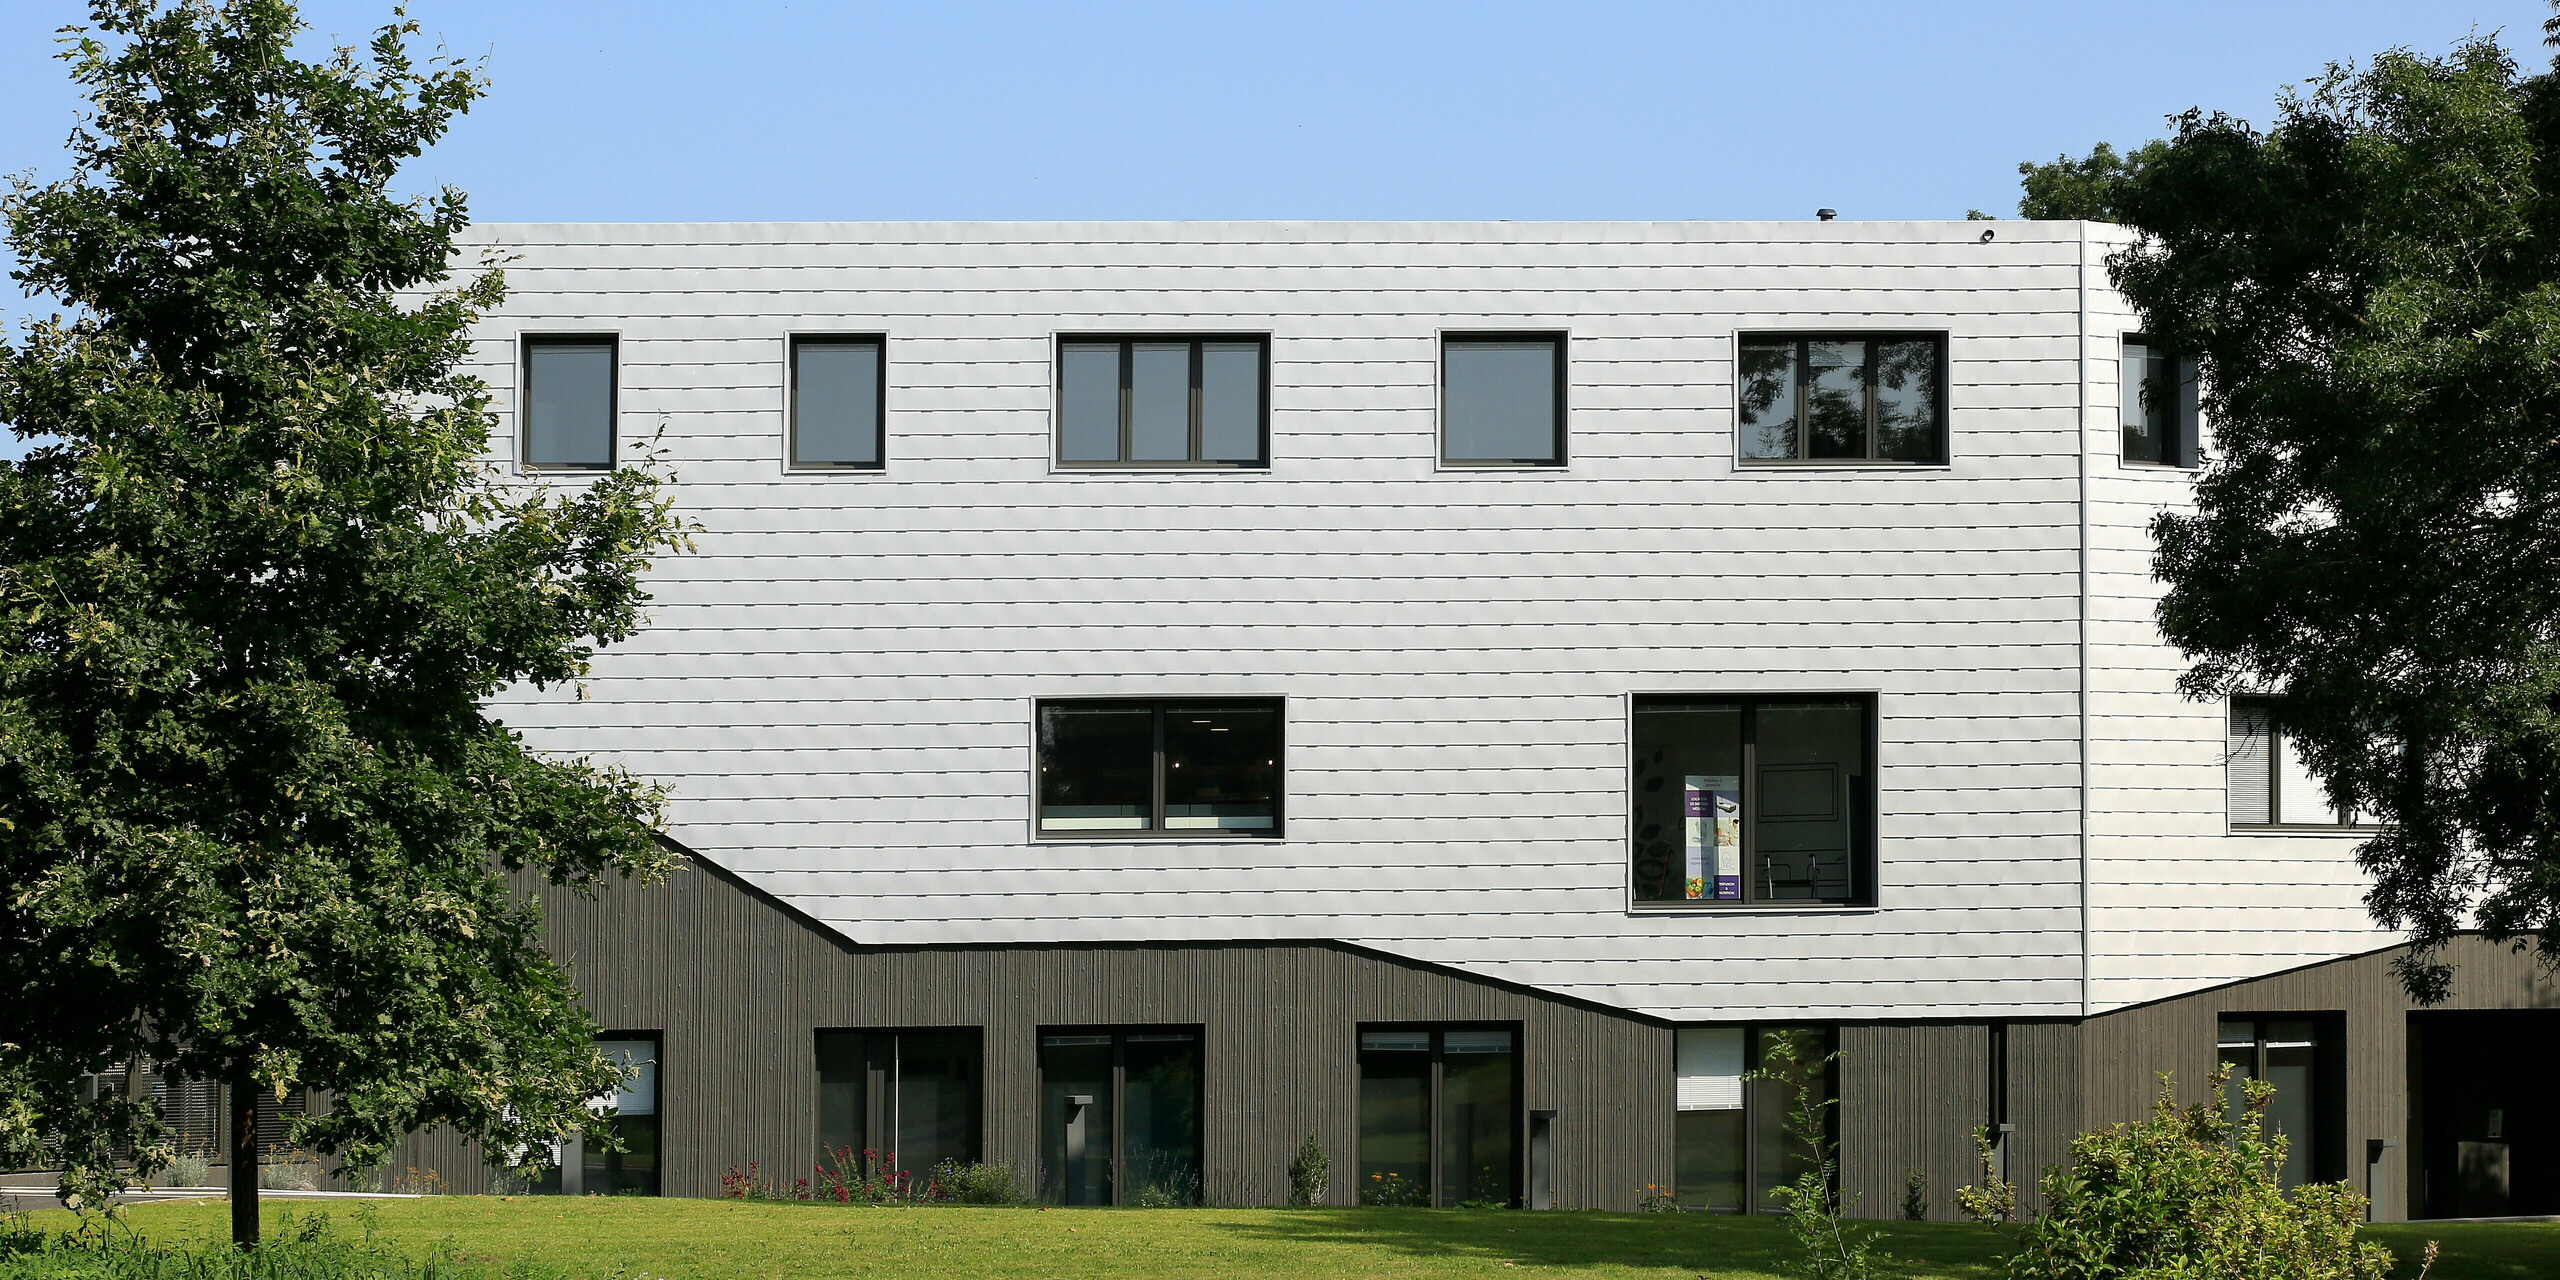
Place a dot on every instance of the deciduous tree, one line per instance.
(257, 586)
(2371, 287)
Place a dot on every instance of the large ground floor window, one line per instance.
(1439, 1116)
(1729, 1135)
(1120, 1116)
(903, 1100)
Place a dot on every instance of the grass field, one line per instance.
(729, 1240)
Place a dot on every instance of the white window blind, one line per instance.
(1708, 1063)
(2251, 765)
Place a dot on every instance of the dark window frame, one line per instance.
(2327, 1159)
(657, 1109)
(877, 1134)
(2184, 434)
(1764, 1098)
(1156, 829)
(1561, 340)
(1120, 1033)
(1864, 850)
(1432, 1097)
(1128, 359)
(526, 343)
(791, 403)
(2275, 823)
(1945, 455)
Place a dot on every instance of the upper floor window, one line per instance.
(2159, 405)
(1842, 398)
(2269, 785)
(1163, 402)
(1753, 800)
(1502, 400)
(1197, 768)
(568, 402)
(837, 402)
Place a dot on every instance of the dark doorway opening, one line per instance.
(2484, 1120)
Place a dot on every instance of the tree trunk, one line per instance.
(244, 1159)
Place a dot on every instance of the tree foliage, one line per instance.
(256, 583)
(2371, 291)
(2085, 189)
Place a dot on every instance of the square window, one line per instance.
(2267, 782)
(902, 1100)
(838, 401)
(1753, 800)
(1502, 400)
(568, 403)
(1163, 402)
(1832, 398)
(1200, 768)
(2159, 402)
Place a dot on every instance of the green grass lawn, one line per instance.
(730, 1240)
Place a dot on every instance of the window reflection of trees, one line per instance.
(1841, 399)
(1769, 399)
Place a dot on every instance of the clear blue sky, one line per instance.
(745, 110)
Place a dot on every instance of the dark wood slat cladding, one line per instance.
(1910, 1096)
(2044, 1104)
(737, 984)
(2124, 1051)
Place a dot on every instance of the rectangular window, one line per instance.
(1440, 1116)
(2290, 1054)
(1841, 398)
(1741, 800)
(1120, 1117)
(2159, 402)
(2267, 782)
(1191, 768)
(632, 1171)
(1163, 402)
(568, 403)
(1502, 400)
(902, 1100)
(837, 402)
(1729, 1138)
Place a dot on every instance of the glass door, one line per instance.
(1439, 1117)
(1120, 1117)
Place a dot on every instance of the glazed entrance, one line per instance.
(2483, 1120)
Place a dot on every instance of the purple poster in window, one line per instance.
(1713, 816)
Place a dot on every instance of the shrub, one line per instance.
(289, 1171)
(187, 1169)
(1311, 1174)
(2193, 1193)
(1993, 1200)
(1915, 1196)
(977, 1183)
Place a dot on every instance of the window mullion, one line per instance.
(1750, 802)
(1198, 357)
(1163, 768)
(1804, 406)
(1867, 380)
(1128, 397)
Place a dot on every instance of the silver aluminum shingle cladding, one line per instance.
(838, 683)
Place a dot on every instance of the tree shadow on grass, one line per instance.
(1692, 1243)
